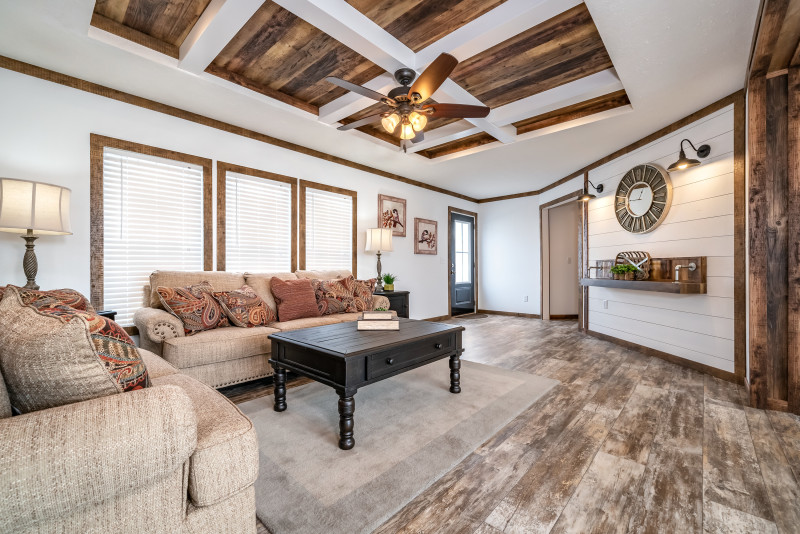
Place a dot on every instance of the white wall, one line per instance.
(563, 225)
(45, 137)
(700, 223)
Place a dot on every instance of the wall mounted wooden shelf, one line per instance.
(683, 288)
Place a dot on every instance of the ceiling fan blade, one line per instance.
(434, 76)
(418, 138)
(461, 111)
(363, 91)
(361, 122)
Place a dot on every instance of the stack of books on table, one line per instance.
(378, 320)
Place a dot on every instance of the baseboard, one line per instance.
(440, 318)
(703, 368)
(563, 317)
(511, 314)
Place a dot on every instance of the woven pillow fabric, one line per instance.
(244, 308)
(362, 293)
(52, 355)
(65, 297)
(295, 299)
(195, 306)
(335, 296)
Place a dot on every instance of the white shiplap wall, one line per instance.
(699, 223)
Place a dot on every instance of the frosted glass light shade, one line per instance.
(390, 122)
(379, 240)
(26, 205)
(418, 120)
(407, 131)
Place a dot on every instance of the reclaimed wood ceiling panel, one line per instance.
(376, 130)
(277, 52)
(576, 111)
(479, 139)
(562, 49)
(169, 21)
(419, 23)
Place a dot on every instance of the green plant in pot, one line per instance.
(388, 281)
(624, 272)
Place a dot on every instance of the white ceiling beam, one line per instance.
(444, 134)
(215, 28)
(494, 27)
(235, 87)
(129, 46)
(451, 92)
(346, 105)
(581, 90)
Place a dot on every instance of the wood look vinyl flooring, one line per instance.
(626, 443)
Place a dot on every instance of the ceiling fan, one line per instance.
(406, 105)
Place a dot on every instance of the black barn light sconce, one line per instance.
(684, 163)
(587, 196)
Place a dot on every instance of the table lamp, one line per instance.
(379, 240)
(33, 206)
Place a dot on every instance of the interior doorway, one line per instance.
(560, 229)
(462, 258)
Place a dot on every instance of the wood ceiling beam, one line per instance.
(576, 111)
(445, 134)
(218, 24)
(119, 35)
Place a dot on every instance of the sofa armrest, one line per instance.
(156, 326)
(379, 301)
(62, 460)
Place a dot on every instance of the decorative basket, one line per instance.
(639, 259)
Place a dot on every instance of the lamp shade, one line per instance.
(26, 205)
(379, 240)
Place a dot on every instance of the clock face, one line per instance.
(643, 198)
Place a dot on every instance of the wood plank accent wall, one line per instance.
(96, 227)
(305, 184)
(222, 170)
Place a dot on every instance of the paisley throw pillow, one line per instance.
(195, 306)
(244, 308)
(335, 296)
(362, 293)
(65, 297)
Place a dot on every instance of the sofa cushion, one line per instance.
(260, 282)
(295, 299)
(195, 306)
(219, 345)
(5, 402)
(156, 365)
(245, 308)
(226, 458)
(309, 322)
(334, 296)
(324, 275)
(219, 280)
(51, 355)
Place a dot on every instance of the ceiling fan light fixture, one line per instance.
(418, 120)
(390, 122)
(407, 130)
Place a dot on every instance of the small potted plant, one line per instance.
(624, 272)
(388, 281)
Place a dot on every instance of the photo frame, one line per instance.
(426, 236)
(392, 214)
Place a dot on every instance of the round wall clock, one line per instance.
(643, 198)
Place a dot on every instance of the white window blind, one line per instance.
(258, 224)
(329, 230)
(152, 219)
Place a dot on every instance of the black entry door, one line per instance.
(462, 264)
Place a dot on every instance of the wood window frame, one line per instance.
(222, 169)
(306, 184)
(97, 144)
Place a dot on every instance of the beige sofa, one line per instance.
(230, 355)
(176, 457)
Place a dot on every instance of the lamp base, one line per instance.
(379, 283)
(29, 263)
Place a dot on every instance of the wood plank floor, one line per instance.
(626, 443)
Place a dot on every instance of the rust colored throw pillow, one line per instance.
(335, 296)
(295, 299)
(65, 297)
(244, 308)
(195, 306)
(362, 293)
(52, 355)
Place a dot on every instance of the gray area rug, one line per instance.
(409, 431)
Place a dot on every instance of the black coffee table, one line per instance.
(340, 356)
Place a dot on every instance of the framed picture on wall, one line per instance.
(426, 236)
(392, 214)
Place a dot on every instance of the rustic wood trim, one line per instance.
(794, 244)
(127, 98)
(459, 145)
(677, 125)
(451, 210)
(222, 169)
(305, 184)
(757, 201)
(265, 90)
(96, 253)
(439, 318)
(772, 15)
(560, 200)
(575, 111)
(776, 73)
(126, 32)
(739, 237)
(691, 364)
(511, 314)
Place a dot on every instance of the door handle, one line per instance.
(452, 268)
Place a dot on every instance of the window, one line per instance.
(148, 212)
(257, 220)
(463, 253)
(328, 216)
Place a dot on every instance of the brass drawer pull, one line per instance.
(390, 361)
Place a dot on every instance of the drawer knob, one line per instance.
(438, 346)
(390, 361)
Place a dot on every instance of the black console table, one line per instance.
(398, 301)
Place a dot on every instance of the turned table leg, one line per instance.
(280, 388)
(347, 406)
(455, 374)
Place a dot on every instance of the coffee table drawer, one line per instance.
(390, 361)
